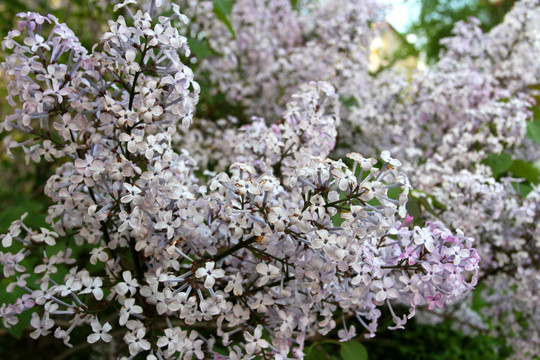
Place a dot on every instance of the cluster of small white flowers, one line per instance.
(308, 125)
(444, 120)
(474, 102)
(285, 245)
(273, 51)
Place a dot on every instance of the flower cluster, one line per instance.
(274, 48)
(475, 102)
(284, 245)
(444, 122)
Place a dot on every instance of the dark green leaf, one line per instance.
(35, 210)
(427, 205)
(533, 130)
(353, 350)
(522, 188)
(393, 193)
(478, 300)
(222, 9)
(348, 102)
(315, 353)
(224, 5)
(522, 169)
(413, 208)
(499, 163)
(200, 48)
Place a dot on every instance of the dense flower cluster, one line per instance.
(285, 244)
(275, 48)
(475, 102)
(443, 121)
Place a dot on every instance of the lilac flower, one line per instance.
(210, 274)
(128, 309)
(128, 285)
(92, 286)
(386, 289)
(286, 235)
(136, 341)
(254, 342)
(99, 332)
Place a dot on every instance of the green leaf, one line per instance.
(427, 205)
(413, 208)
(222, 9)
(393, 193)
(353, 350)
(522, 169)
(523, 188)
(348, 102)
(478, 300)
(294, 3)
(200, 48)
(315, 353)
(224, 5)
(499, 163)
(533, 130)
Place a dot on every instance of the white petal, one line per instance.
(92, 338)
(130, 55)
(209, 282)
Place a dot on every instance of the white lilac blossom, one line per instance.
(269, 253)
(443, 121)
(272, 51)
(474, 102)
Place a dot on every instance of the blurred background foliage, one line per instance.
(21, 185)
(436, 18)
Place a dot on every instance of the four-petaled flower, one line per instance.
(254, 342)
(210, 274)
(129, 308)
(99, 332)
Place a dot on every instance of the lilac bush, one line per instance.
(231, 239)
(476, 103)
(446, 122)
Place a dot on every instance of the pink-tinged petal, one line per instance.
(131, 54)
(392, 293)
(250, 348)
(132, 148)
(95, 326)
(218, 273)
